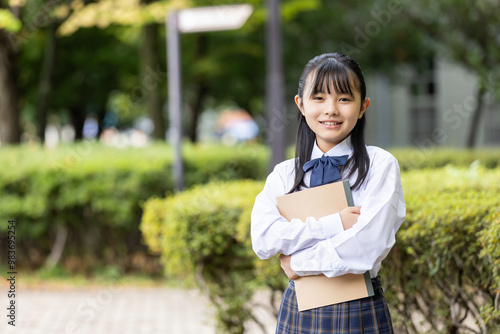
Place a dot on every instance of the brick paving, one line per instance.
(113, 310)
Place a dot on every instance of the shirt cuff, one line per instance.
(332, 225)
(306, 263)
(298, 269)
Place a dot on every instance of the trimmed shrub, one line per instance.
(433, 157)
(93, 194)
(203, 233)
(443, 266)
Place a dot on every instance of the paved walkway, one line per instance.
(113, 310)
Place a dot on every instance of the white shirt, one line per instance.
(321, 245)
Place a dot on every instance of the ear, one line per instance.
(298, 102)
(364, 106)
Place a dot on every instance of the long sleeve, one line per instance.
(368, 242)
(272, 233)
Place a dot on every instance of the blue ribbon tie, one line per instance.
(325, 169)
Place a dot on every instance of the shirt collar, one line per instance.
(342, 148)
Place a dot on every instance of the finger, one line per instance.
(356, 209)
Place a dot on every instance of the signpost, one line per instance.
(192, 20)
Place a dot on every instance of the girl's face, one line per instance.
(331, 116)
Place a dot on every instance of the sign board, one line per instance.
(213, 18)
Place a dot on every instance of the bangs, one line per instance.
(333, 74)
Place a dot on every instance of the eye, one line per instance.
(318, 98)
(344, 99)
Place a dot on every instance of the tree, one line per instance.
(220, 68)
(466, 32)
(45, 83)
(142, 15)
(10, 132)
(92, 64)
(95, 65)
(151, 61)
(30, 18)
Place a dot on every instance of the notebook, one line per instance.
(317, 291)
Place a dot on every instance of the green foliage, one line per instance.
(472, 42)
(8, 21)
(439, 268)
(446, 256)
(96, 192)
(416, 158)
(104, 13)
(51, 273)
(97, 73)
(490, 241)
(249, 162)
(205, 233)
(411, 158)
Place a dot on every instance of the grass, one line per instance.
(59, 279)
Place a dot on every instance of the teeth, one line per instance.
(331, 123)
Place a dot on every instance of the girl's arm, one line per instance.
(273, 234)
(368, 242)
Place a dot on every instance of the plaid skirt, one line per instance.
(362, 316)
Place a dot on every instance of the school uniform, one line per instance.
(321, 246)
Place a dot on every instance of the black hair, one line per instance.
(343, 72)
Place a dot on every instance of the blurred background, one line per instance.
(86, 141)
(73, 69)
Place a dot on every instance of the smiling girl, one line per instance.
(332, 104)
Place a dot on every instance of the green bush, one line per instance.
(436, 157)
(446, 256)
(94, 194)
(203, 232)
(445, 262)
(432, 157)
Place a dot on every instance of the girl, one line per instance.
(332, 102)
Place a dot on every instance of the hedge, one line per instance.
(433, 157)
(446, 263)
(429, 156)
(93, 194)
(204, 233)
(444, 266)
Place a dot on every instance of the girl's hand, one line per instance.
(285, 265)
(349, 216)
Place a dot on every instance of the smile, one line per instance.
(331, 123)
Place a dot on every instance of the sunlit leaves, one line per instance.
(8, 21)
(103, 13)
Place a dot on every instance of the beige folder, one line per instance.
(319, 290)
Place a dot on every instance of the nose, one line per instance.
(331, 109)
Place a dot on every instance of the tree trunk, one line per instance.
(196, 109)
(201, 90)
(45, 82)
(476, 117)
(101, 113)
(152, 78)
(10, 132)
(452, 329)
(58, 247)
(77, 116)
